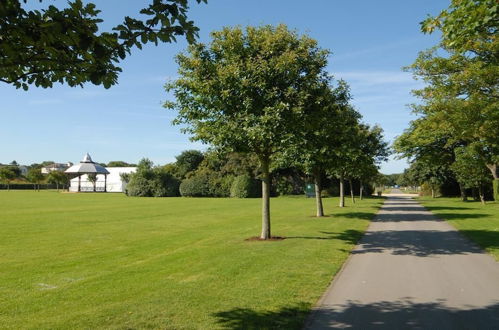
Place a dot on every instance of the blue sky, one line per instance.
(370, 40)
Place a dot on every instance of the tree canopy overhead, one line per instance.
(64, 45)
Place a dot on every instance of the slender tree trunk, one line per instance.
(464, 198)
(318, 191)
(265, 163)
(342, 191)
(8, 186)
(480, 193)
(361, 191)
(495, 184)
(432, 192)
(493, 170)
(351, 190)
(57, 185)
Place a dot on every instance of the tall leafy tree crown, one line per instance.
(245, 90)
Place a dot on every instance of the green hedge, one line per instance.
(244, 187)
(206, 184)
(29, 186)
(196, 186)
(159, 184)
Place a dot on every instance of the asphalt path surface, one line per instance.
(412, 271)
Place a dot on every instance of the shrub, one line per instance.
(206, 183)
(139, 186)
(151, 181)
(195, 186)
(244, 186)
(165, 185)
(220, 185)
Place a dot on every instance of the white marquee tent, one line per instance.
(108, 179)
(114, 182)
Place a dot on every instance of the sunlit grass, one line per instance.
(110, 261)
(478, 222)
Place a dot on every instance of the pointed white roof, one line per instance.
(87, 166)
(86, 159)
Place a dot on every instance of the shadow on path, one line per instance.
(405, 314)
(421, 243)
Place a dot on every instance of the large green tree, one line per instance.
(462, 78)
(64, 45)
(245, 92)
(470, 170)
(58, 178)
(7, 175)
(326, 126)
(188, 161)
(362, 147)
(35, 176)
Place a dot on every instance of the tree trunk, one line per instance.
(464, 198)
(480, 193)
(432, 192)
(318, 195)
(493, 170)
(57, 185)
(342, 192)
(361, 191)
(351, 190)
(265, 163)
(495, 183)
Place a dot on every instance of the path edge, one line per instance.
(315, 309)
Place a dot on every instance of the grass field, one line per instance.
(72, 261)
(478, 222)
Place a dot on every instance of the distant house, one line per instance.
(61, 167)
(23, 169)
(114, 182)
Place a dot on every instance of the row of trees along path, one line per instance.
(456, 136)
(265, 90)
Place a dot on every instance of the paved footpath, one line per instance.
(412, 271)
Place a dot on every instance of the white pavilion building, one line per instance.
(108, 178)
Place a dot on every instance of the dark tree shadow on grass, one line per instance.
(289, 317)
(350, 236)
(437, 208)
(487, 239)
(404, 314)
(355, 215)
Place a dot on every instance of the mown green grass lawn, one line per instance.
(73, 261)
(478, 222)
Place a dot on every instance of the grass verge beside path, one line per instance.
(478, 222)
(73, 261)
